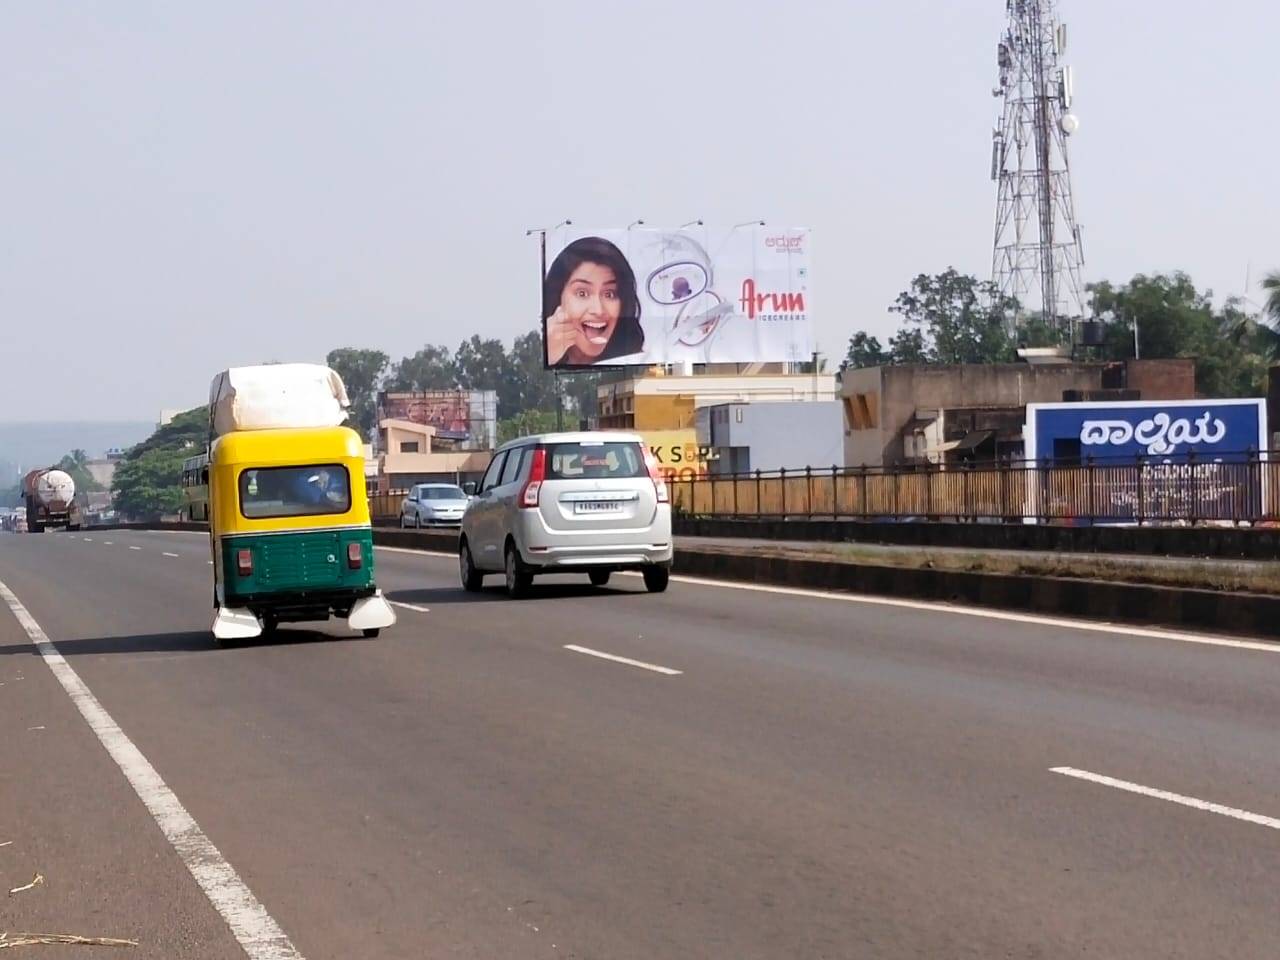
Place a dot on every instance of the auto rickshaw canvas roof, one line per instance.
(284, 447)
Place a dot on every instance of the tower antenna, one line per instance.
(1038, 255)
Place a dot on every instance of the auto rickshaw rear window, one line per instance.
(267, 492)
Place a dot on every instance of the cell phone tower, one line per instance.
(1037, 254)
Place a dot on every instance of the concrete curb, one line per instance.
(1138, 604)
(1216, 542)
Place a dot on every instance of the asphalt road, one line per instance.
(821, 778)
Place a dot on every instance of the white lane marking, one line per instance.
(169, 554)
(616, 659)
(256, 931)
(135, 548)
(108, 543)
(88, 539)
(1138, 788)
(410, 606)
(1147, 632)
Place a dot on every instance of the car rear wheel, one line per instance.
(599, 577)
(519, 579)
(656, 579)
(472, 579)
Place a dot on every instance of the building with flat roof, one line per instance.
(933, 414)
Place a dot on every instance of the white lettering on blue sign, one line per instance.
(1160, 434)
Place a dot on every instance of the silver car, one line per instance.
(568, 503)
(433, 505)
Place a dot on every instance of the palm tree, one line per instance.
(1271, 311)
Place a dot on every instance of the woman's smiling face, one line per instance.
(593, 305)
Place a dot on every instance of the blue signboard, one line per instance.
(1227, 430)
(1184, 460)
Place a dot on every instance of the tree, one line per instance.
(148, 481)
(150, 485)
(535, 384)
(909, 346)
(1174, 319)
(431, 368)
(963, 319)
(1271, 312)
(483, 365)
(526, 423)
(864, 351)
(76, 466)
(361, 372)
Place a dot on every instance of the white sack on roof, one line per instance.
(277, 396)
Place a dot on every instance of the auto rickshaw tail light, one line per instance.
(533, 486)
(244, 563)
(355, 559)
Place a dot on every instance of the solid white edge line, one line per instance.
(1030, 618)
(255, 930)
(1149, 633)
(629, 662)
(410, 606)
(1178, 798)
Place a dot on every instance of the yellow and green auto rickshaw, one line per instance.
(290, 533)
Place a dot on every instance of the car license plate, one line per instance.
(597, 506)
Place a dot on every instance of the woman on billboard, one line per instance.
(590, 309)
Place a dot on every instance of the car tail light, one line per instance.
(355, 559)
(244, 562)
(659, 484)
(533, 486)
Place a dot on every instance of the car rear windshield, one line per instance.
(587, 460)
(443, 493)
(294, 491)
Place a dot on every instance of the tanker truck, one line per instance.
(49, 495)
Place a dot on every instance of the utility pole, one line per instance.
(542, 279)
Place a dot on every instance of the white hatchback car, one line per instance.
(433, 505)
(568, 503)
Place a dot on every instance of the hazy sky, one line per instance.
(187, 186)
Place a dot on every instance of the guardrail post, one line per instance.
(808, 492)
(964, 490)
(862, 492)
(783, 483)
(1005, 467)
(835, 494)
(928, 491)
(1254, 474)
(1088, 479)
(757, 493)
(734, 481)
(1142, 493)
(896, 512)
(1191, 464)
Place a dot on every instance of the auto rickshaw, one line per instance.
(290, 534)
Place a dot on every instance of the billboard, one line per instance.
(616, 297)
(1167, 430)
(678, 455)
(464, 416)
(1172, 459)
